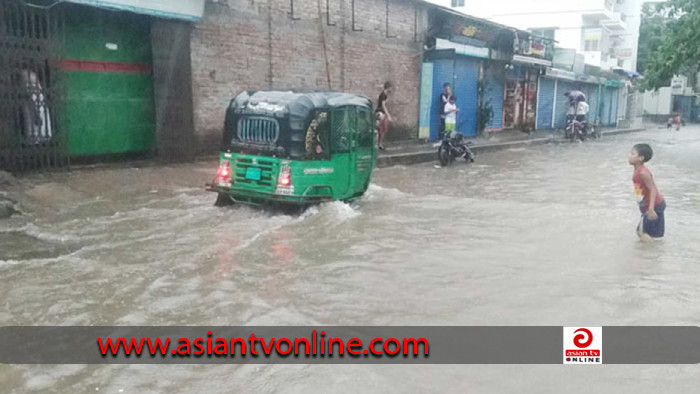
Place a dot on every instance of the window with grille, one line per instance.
(341, 120)
(592, 45)
(457, 3)
(258, 130)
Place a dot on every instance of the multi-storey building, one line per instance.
(605, 31)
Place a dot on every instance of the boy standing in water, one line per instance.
(651, 202)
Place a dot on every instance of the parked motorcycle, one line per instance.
(594, 130)
(453, 146)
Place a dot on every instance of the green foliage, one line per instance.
(653, 29)
(669, 41)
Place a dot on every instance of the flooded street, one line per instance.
(543, 235)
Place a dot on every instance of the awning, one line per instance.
(463, 49)
(191, 10)
(531, 60)
(560, 74)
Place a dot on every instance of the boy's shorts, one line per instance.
(655, 228)
(449, 127)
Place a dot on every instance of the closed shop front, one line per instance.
(562, 103)
(493, 96)
(462, 73)
(545, 103)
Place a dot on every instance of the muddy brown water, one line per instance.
(535, 236)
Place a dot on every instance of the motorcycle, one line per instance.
(574, 130)
(453, 146)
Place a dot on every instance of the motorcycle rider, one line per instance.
(577, 108)
(582, 115)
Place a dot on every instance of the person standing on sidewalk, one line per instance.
(450, 115)
(383, 116)
(444, 100)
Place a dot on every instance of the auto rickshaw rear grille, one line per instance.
(258, 130)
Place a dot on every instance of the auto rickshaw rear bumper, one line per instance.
(251, 197)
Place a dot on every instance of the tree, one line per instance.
(678, 51)
(653, 29)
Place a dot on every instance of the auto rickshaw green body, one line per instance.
(295, 148)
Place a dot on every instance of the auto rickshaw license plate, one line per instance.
(253, 173)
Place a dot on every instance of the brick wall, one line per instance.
(255, 44)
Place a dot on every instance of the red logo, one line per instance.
(587, 345)
(584, 339)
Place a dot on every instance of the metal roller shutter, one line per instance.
(607, 106)
(562, 103)
(592, 96)
(443, 72)
(545, 103)
(613, 107)
(493, 96)
(466, 77)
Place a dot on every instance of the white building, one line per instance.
(605, 31)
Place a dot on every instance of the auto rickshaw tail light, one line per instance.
(285, 177)
(224, 170)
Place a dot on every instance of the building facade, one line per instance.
(146, 77)
(606, 32)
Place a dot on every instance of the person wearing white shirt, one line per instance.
(451, 111)
(581, 114)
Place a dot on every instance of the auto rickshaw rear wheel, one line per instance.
(223, 200)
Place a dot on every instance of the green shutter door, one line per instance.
(110, 104)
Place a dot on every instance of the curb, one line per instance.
(562, 140)
(431, 155)
(623, 131)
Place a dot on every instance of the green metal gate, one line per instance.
(107, 63)
(31, 93)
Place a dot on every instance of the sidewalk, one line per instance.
(419, 151)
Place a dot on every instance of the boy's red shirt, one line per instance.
(642, 191)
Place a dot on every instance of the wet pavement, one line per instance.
(542, 235)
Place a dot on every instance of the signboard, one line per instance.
(471, 31)
(531, 60)
(537, 49)
(564, 58)
(592, 34)
(463, 49)
(678, 84)
(560, 74)
(614, 84)
(623, 53)
(191, 10)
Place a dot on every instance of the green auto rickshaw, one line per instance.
(284, 147)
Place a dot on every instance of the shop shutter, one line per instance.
(607, 106)
(443, 72)
(466, 77)
(545, 103)
(592, 98)
(613, 107)
(562, 103)
(493, 96)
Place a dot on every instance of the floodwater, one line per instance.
(536, 236)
